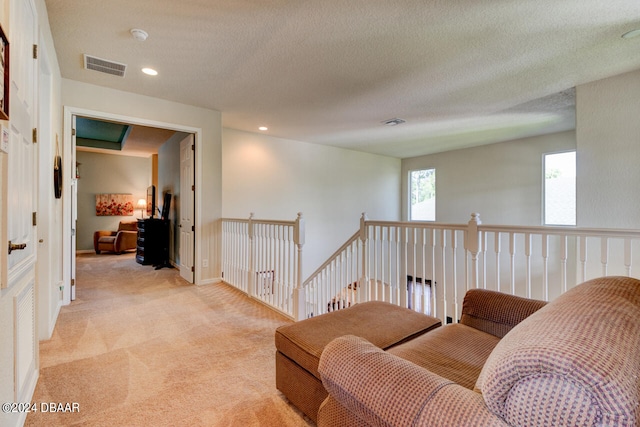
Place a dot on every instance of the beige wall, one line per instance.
(502, 182)
(107, 173)
(608, 140)
(277, 178)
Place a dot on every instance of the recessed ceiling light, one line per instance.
(150, 71)
(631, 34)
(263, 128)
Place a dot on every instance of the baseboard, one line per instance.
(85, 251)
(210, 281)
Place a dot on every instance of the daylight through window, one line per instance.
(560, 188)
(422, 195)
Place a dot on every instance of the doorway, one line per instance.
(70, 114)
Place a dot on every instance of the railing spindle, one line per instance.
(497, 248)
(628, 259)
(583, 257)
(454, 275)
(563, 261)
(545, 266)
(512, 255)
(527, 254)
(443, 272)
(604, 255)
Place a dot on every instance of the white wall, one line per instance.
(277, 178)
(208, 207)
(502, 182)
(107, 173)
(608, 140)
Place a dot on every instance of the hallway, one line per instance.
(143, 347)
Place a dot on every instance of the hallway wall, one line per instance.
(107, 173)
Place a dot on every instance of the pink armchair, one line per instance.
(117, 241)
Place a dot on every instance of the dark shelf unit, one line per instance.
(153, 242)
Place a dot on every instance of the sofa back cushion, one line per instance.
(496, 313)
(574, 362)
(128, 226)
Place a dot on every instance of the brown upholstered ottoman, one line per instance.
(299, 345)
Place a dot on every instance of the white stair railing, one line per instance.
(423, 266)
(263, 259)
(325, 289)
(428, 267)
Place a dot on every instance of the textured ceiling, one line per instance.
(460, 73)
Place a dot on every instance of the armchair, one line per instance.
(117, 241)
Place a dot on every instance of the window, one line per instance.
(422, 188)
(560, 188)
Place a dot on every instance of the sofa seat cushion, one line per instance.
(456, 352)
(378, 322)
(574, 362)
(107, 239)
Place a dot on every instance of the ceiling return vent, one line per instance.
(104, 66)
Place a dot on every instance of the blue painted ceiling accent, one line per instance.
(101, 134)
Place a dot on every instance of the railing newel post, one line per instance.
(299, 298)
(474, 245)
(364, 235)
(251, 283)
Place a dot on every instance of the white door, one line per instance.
(47, 279)
(22, 193)
(187, 156)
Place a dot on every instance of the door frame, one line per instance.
(69, 172)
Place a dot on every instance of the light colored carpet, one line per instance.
(142, 347)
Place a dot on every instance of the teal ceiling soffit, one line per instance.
(101, 134)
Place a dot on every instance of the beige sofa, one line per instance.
(574, 362)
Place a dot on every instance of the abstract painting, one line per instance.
(114, 204)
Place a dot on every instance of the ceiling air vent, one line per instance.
(104, 66)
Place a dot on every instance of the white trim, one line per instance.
(211, 281)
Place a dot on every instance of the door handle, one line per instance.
(16, 247)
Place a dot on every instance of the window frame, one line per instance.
(410, 191)
(544, 189)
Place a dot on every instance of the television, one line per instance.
(151, 201)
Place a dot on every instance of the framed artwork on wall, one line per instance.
(114, 204)
(4, 76)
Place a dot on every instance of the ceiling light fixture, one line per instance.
(394, 122)
(150, 71)
(631, 34)
(263, 128)
(138, 34)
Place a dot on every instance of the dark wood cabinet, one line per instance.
(153, 242)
